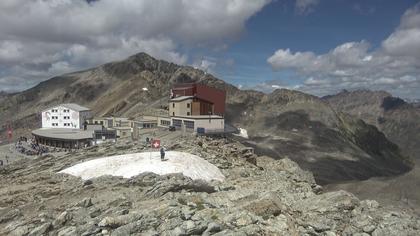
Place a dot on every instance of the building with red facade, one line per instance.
(206, 99)
(197, 107)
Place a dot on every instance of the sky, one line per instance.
(316, 46)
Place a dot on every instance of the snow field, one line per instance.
(130, 165)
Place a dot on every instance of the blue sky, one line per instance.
(330, 24)
(316, 46)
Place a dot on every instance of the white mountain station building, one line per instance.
(69, 115)
(63, 126)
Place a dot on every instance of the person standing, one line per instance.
(162, 153)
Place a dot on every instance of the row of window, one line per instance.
(56, 117)
(188, 105)
(165, 122)
(188, 113)
(56, 110)
(65, 124)
(188, 124)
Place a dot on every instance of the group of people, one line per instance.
(30, 147)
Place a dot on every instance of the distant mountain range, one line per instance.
(399, 120)
(322, 135)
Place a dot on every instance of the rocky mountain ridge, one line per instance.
(333, 145)
(398, 120)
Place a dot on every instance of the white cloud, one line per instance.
(405, 41)
(305, 6)
(10, 51)
(356, 65)
(206, 65)
(53, 36)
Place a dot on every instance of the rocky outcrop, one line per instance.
(269, 197)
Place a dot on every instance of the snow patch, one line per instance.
(145, 89)
(130, 165)
(242, 133)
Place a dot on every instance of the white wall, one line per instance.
(210, 124)
(58, 115)
(207, 124)
(180, 108)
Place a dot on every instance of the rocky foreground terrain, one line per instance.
(260, 196)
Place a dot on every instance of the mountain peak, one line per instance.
(137, 63)
(142, 56)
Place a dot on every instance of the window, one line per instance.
(173, 105)
(188, 105)
(189, 124)
(67, 117)
(66, 110)
(54, 124)
(173, 113)
(54, 117)
(177, 123)
(188, 113)
(165, 122)
(54, 110)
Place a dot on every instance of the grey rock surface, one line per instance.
(268, 197)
